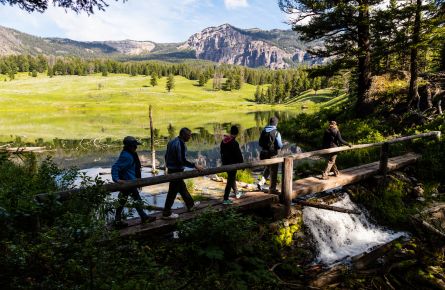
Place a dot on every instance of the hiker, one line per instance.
(331, 139)
(270, 143)
(175, 160)
(231, 154)
(126, 168)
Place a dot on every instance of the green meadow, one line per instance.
(77, 107)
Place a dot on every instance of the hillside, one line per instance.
(224, 44)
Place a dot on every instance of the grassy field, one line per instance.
(76, 107)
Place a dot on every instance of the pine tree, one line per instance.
(217, 81)
(238, 81)
(316, 84)
(229, 84)
(154, 79)
(170, 85)
(345, 28)
(257, 95)
(202, 80)
(50, 72)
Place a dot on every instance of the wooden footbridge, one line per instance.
(253, 200)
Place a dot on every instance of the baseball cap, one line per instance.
(130, 140)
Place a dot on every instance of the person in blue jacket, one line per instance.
(127, 168)
(176, 161)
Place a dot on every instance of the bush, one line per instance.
(244, 175)
(226, 251)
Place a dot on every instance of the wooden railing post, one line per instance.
(384, 155)
(288, 172)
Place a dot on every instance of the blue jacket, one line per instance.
(124, 168)
(278, 142)
(175, 157)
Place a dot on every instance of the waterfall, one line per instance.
(339, 235)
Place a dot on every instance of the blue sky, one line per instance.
(155, 20)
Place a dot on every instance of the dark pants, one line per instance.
(123, 197)
(271, 170)
(231, 184)
(331, 164)
(175, 187)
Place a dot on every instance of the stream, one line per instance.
(339, 236)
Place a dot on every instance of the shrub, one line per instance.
(244, 175)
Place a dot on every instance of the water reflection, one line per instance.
(203, 146)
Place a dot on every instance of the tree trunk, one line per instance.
(414, 65)
(152, 143)
(364, 60)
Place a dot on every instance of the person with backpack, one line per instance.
(270, 143)
(231, 154)
(176, 161)
(127, 168)
(331, 139)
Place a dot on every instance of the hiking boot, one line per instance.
(193, 208)
(337, 173)
(260, 187)
(240, 194)
(147, 219)
(172, 216)
(227, 202)
(120, 224)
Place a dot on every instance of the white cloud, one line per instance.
(234, 4)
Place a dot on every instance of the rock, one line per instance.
(421, 199)
(413, 179)
(228, 44)
(242, 184)
(418, 191)
(401, 176)
(217, 178)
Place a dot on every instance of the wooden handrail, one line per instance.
(111, 187)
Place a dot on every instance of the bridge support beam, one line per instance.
(288, 174)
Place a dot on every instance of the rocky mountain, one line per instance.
(253, 47)
(224, 44)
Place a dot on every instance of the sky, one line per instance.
(154, 20)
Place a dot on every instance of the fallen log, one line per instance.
(362, 260)
(327, 207)
(17, 150)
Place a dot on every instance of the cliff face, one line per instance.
(273, 49)
(227, 44)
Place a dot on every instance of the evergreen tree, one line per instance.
(316, 84)
(238, 81)
(154, 79)
(50, 72)
(74, 5)
(345, 28)
(217, 81)
(257, 95)
(229, 84)
(170, 85)
(202, 80)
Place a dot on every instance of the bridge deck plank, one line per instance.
(252, 200)
(348, 176)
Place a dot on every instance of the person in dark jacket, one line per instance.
(331, 139)
(231, 154)
(270, 143)
(127, 168)
(176, 161)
